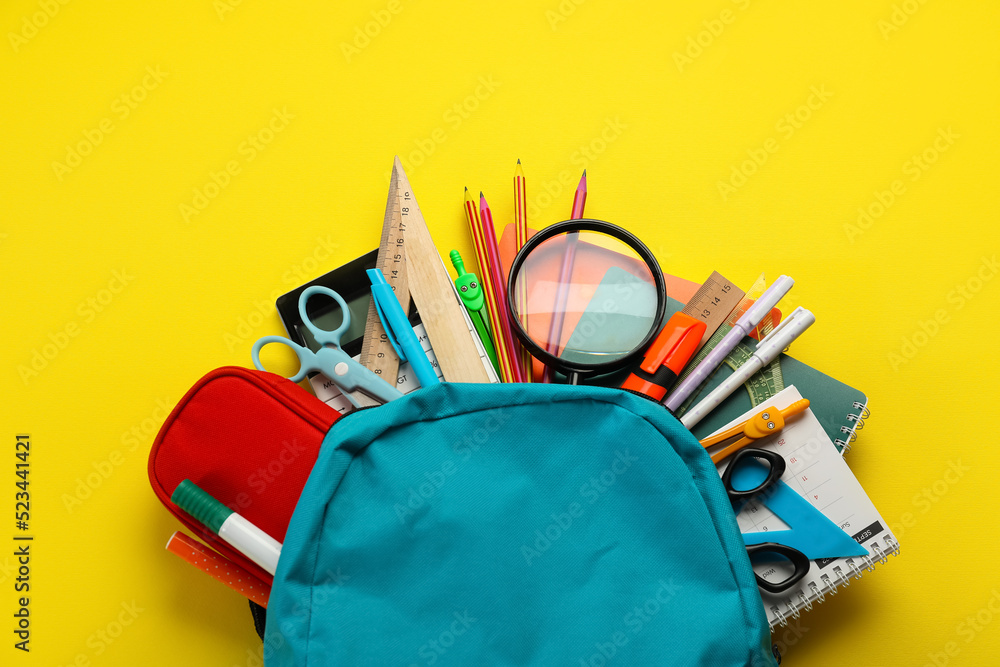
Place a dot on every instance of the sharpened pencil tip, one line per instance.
(519, 160)
(466, 188)
(482, 195)
(584, 173)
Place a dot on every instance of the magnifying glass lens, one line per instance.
(586, 298)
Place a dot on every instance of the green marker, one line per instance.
(248, 539)
(475, 302)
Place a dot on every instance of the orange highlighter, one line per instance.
(666, 357)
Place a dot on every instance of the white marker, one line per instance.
(742, 327)
(767, 351)
(248, 539)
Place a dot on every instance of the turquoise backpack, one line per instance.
(514, 525)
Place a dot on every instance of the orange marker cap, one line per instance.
(666, 357)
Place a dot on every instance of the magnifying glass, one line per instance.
(585, 297)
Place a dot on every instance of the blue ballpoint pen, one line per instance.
(398, 326)
(755, 313)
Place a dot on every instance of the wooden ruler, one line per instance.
(712, 303)
(433, 291)
(743, 303)
(377, 353)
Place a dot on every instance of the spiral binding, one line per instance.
(828, 587)
(852, 431)
(788, 609)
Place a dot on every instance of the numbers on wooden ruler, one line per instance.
(708, 301)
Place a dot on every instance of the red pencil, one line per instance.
(580, 197)
(520, 238)
(506, 336)
(558, 314)
(490, 288)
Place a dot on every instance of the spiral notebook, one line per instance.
(817, 471)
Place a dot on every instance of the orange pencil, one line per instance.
(219, 568)
(520, 238)
(489, 287)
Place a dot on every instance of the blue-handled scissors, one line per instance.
(361, 387)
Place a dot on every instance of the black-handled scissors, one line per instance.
(775, 469)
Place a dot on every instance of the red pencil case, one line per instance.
(250, 439)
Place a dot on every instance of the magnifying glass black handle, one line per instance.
(666, 357)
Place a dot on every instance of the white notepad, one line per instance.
(816, 470)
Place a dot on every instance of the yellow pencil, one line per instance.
(489, 289)
(520, 238)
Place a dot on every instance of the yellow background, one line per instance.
(572, 85)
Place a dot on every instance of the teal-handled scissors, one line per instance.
(361, 387)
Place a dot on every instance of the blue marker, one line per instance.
(398, 328)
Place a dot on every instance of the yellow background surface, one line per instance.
(115, 116)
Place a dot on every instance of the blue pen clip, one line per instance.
(389, 333)
(398, 329)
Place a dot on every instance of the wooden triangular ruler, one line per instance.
(377, 353)
(433, 292)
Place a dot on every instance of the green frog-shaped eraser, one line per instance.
(468, 284)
